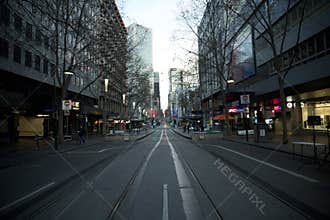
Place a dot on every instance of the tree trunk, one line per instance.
(283, 110)
(60, 126)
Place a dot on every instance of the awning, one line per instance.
(222, 117)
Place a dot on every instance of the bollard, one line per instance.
(36, 140)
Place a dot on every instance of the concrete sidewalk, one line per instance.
(271, 143)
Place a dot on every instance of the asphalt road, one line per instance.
(165, 176)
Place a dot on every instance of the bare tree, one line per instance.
(271, 21)
(138, 85)
(77, 44)
(215, 53)
(139, 88)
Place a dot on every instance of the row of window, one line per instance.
(28, 31)
(316, 46)
(293, 16)
(29, 57)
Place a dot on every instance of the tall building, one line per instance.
(175, 87)
(305, 63)
(140, 38)
(156, 110)
(141, 63)
(34, 72)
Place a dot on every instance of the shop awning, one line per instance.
(222, 117)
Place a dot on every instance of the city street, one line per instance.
(179, 109)
(166, 176)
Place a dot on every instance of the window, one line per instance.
(45, 69)
(320, 43)
(296, 55)
(17, 54)
(46, 42)
(28, 58)
(5, 15)
(38, 36)
(311, 47)
(53, 44)
(28, 31)
(37, 62)
(4, 47)
(52, 69)
(18, 23)
(304, 50)
(327, 37)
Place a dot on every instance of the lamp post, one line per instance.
(103, 104)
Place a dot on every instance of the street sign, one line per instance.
(66, 105)
(245, 99)
(66, 113)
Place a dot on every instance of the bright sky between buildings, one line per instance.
(161, 17)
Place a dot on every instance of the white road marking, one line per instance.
(106, 168)
(268, 164)
(189, 201)
(26, 196)
(92, 152)
(70, 204)
(82, 152)
(110, 148)
(165, 202)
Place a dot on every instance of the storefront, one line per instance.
(316, 103)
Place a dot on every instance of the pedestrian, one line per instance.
(81, 133)
(188, 126)
(184, 128)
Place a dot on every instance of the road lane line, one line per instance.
(26, 196)
(189, 201)
(268, 164)
(100, 151)
(165, 202)
(70, 204)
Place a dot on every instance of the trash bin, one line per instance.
(260, 132)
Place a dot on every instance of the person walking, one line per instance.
(81, 134)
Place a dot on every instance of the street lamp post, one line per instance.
(104, 106)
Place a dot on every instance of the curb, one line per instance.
(22, 206)
(182, 135)
(144, 136)
(268, 148)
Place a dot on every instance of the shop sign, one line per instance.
(75, 105)
(276, 101)
(245, 99)
(66, 113)
(66, 105)
(277, 108)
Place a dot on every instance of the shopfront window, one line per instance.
(321, 109)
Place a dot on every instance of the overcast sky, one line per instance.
(160, 16)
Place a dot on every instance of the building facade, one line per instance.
(37, 53)
(141, 67)
(304, 59)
